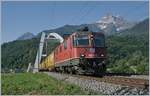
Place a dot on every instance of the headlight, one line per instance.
(103, 62)
(82, 55)
(102, 55)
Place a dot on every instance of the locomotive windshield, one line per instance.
(85, 40)
(82, 40)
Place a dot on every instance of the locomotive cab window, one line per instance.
(74, 43)
(81, 40)
(60, 49)
(99, 41)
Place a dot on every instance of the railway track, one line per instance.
(112, 85)
(124, 81)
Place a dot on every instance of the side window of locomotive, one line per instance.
(74, 42)
(57, 50)
(70, 43)
(60, 49)
(65, 45)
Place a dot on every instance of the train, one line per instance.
(83, 52)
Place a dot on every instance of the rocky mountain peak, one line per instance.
(118, 21)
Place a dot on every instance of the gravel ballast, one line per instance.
(99, 87)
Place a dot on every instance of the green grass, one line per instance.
(37, 84)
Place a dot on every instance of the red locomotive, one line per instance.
(82, 52)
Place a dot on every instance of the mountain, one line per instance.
(26, 36)
(117, 23)
(66, 29)
(140, 29)
(108, 24)
(69, 29)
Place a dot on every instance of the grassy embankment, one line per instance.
(39, 83)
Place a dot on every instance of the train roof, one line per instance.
(87, 32)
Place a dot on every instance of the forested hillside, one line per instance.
(128, 52)
(19, 53)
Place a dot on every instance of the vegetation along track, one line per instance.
(124, 81)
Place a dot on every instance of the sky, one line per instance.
(19, 17)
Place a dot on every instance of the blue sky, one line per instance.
(19, 17)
